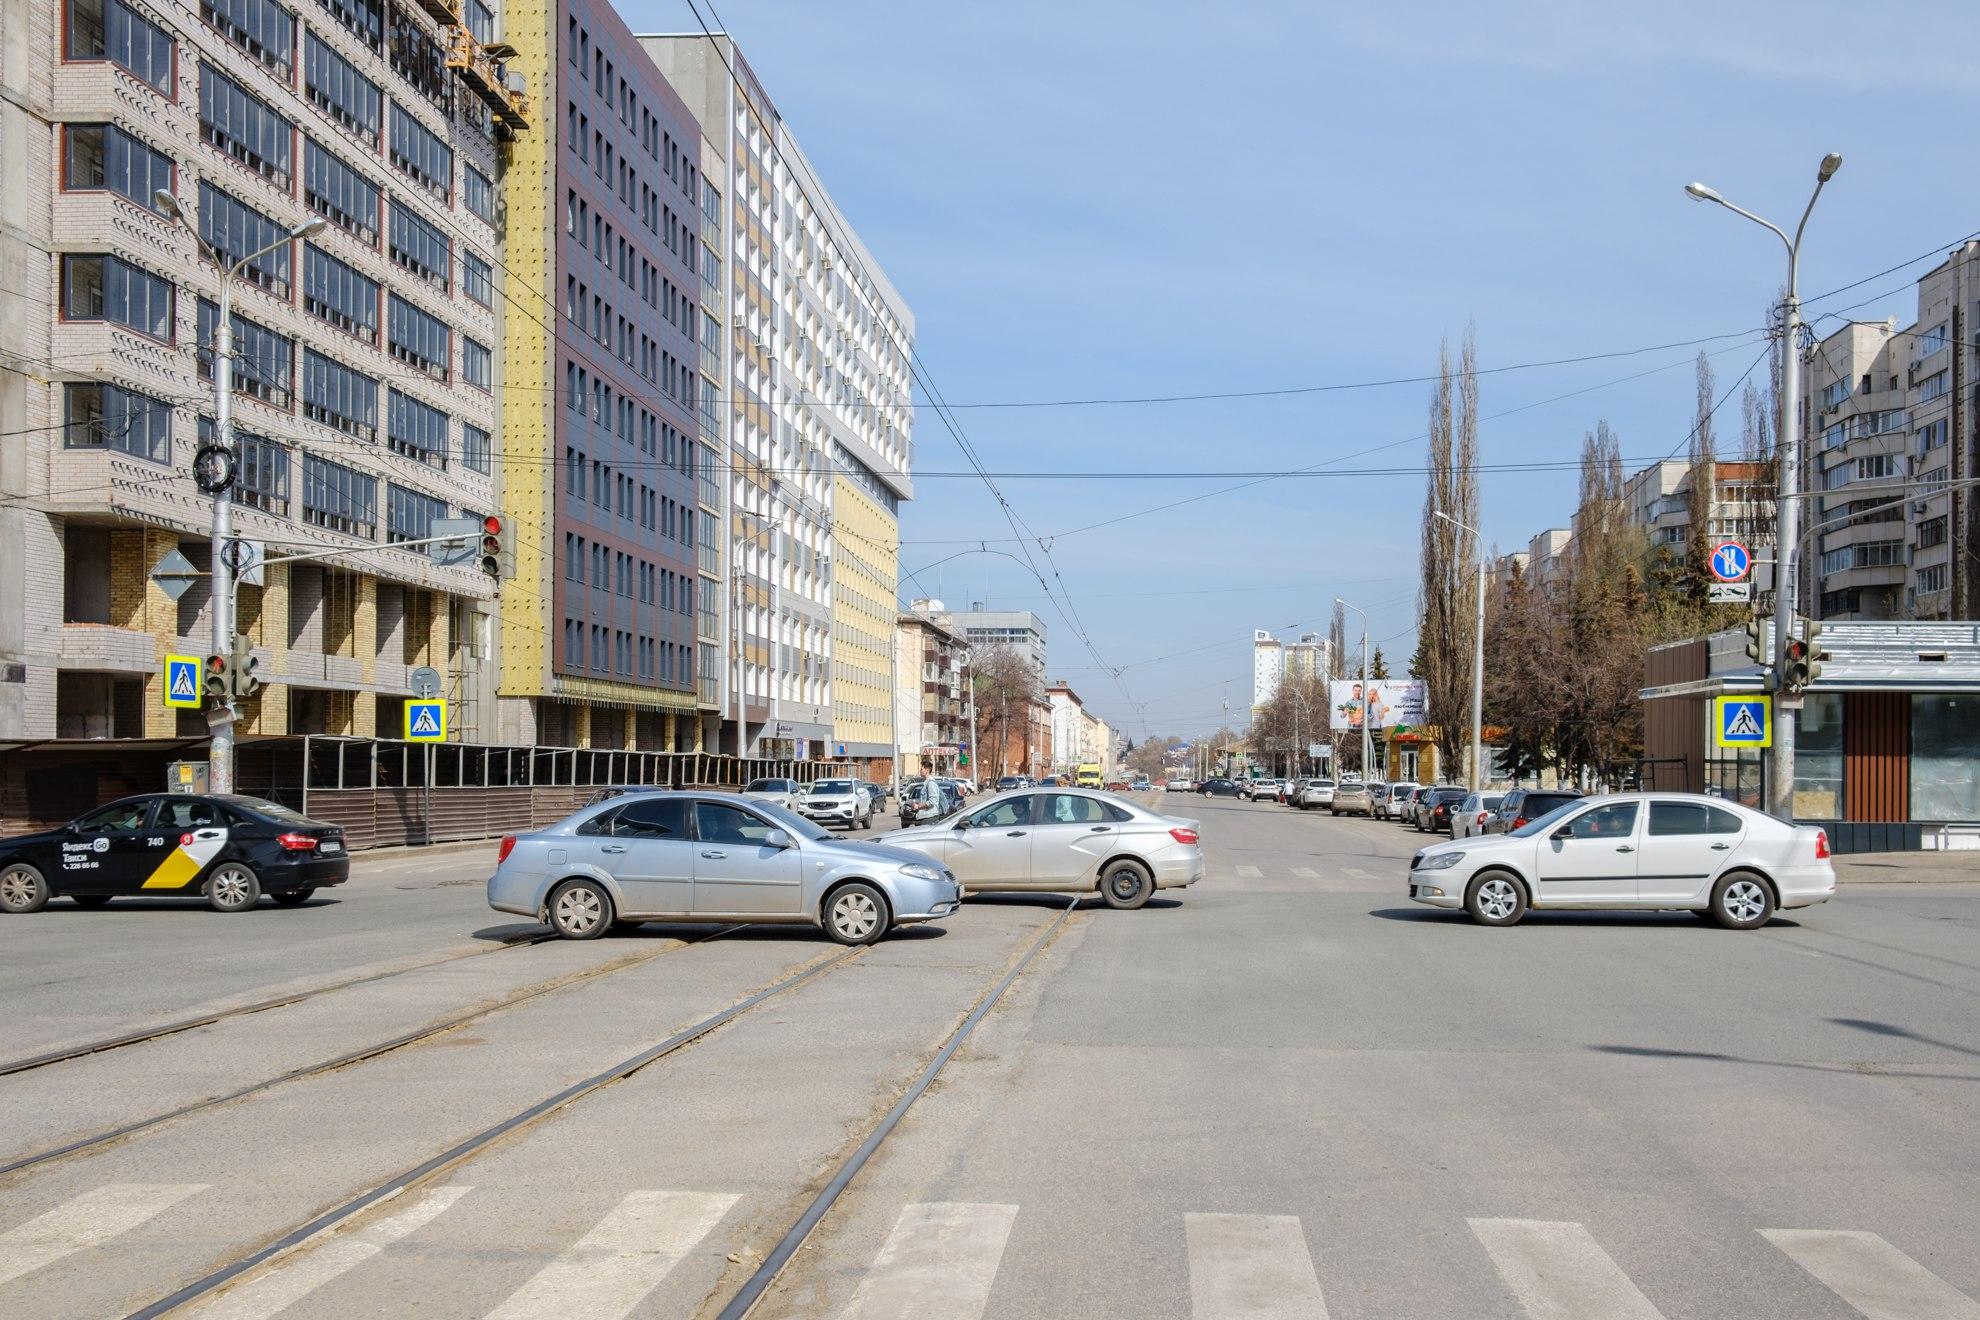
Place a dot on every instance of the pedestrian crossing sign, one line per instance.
(1743, 721)
(426, 721)
(182, 680)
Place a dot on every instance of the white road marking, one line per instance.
(1306, 873)
(1559, 1272)
(298, 1276)
(1251, 1267)
(937, 1264)
(83, 1221)
(1872, 1275)
(1359, 874)
(611, 1269)
(1249, 873)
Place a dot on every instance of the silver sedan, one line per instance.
(1062, 840)
(712, 857)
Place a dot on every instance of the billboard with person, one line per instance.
(1389, 703)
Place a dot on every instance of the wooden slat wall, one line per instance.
(1877, 756)
(1675, 726)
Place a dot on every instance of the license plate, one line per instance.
(330, 845)
(1412, 891)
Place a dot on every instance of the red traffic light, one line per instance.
(491, 525)
(216, 664)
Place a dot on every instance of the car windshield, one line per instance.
(1544, 824)
(796, 825)
(768, 786)
(840, 786)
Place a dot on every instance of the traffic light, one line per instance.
(497, 555)
(216, 681)
(1811, 631)
(245, 672)
(1756, 640)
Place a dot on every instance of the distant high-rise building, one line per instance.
(1019, 629)
(1272, 661)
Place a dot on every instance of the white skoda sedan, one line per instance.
(1639, 851)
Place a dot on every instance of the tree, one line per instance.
(1377, 666)
(1445, 601)
(1006, 689)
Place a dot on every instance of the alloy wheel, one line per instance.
(1745, 900)
(854, 915)
(232, 888)
(1497, 898)
(578, 910)
(19, 888)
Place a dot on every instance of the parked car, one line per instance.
(783, 792)
(1469, 817)
(931, 799)
(1184, 785)
(1261, 789)
(1351, 798)
(1642, 851)
(1520, 805)
(1215, 788)
(1013, 781)
(1435, 807)
(837, 802)
(1117, 786)
(606, 792)
(1397, 800)
(1140, 786)
(225, 848)
(876, 796)
(712, 857)
(1049, 781)
(1317, 793)
(1063, 841)
(1426, 801)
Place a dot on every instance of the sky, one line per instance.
(1111, 200)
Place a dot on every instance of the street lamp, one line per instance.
(220, 757)
(1477, 661)
(1367, 750)
(1780, 788)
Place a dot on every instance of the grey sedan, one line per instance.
(712, 857)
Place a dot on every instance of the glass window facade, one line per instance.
(261, 475)
(478, 278)
(418, 338)
(104, 156)
(117, 31)
(1945, 736)
(98, 415)
(262, 28)
(339, 193)
(106, 288)
(475, 448)
(339, 396)
(264, 360)
(337, 88)
(415, 429)
(234, 229)
(338, 498)
(477, 364)
(341, 294)
(478, 193)
(420, 155)
(244, 126)
(364, 18)
(420, 247)
(409, 514)
(1818, 758)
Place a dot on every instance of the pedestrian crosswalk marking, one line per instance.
(1249, 873)
(1306, 873)
(288, 1282)
(937, 1264)
(1872, 1275)
(1559, 1272)
(86, 1221)
(1251, 1267)
(611, 1269)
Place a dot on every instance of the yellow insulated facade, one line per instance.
(865, 573)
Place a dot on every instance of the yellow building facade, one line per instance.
(865, 575)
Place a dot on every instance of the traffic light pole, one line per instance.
(220, 715)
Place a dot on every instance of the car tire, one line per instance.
(22, 888)
(1742, 901)
(1126, 885)
(90, 900)
(1495, 899)
(579, 910)
(232, 887)
(856, 914)
(293, 897)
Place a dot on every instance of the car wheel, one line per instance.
(232, 888)
(1126, 885)
(1495, 899)
(292, 897)
(1742, 901)
(89, 900)
(580, 910)
(856, 914)
(22, 889)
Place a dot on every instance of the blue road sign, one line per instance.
(1743, 721)
(426, 721)
(182, 680)
(1731, 561)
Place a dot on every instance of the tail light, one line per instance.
(294, 842)
(1518, 822)
(507, 846)
(1184, 834)
(1821, 845)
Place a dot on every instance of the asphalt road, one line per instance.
(1285, 1092)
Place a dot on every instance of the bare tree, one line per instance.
(1006, 690)
(1444, 636)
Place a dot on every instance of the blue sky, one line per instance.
(1120, 200)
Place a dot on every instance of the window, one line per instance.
(420, 247)
(235, 229)
(1932, 341)
(477, 278)
(244, 127)
(475, 448)
(1944, 731)
(653, 818)
(262, 28)
(716, 822)
(104, 416)
(409, 514)
(476, 364)
(420, 155)
(339, 193)
(418, 338)
(1931, 532)
(1818, 768)
(1834, 393)
(1931, 580)
(419, 59)
(1669, 818)
(339, 396)
(106, 288)
(1004, 814)
(478, 193)
(365, 19)
(261, 478)
(117, 31)
(337, 89)
(1873, 554)
(105, 156)
(264, 361)
(342, 295)
(338, 498)
(1615, 821)
(1932, 435)
(1933, 386)
(415, 429)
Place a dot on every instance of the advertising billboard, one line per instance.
(1391, 703)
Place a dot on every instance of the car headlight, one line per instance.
(922, 872)
(1441, 862)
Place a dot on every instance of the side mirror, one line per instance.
(962, 822)
(777, 839)
(1564, 832)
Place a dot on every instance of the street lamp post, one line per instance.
(1477, 662)
(1367, 747)
(1780, 787)
(220, 718)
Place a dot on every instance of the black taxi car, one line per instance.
(227, 849)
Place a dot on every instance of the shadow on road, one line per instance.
(1861, 1069)
(1447, 916)
(1057, 901)
(1902, 1033)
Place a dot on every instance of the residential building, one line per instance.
(1855, 443)
(1067, 722)
(932, 717)
(865, 522)
(1021, 630)
(601, 635)
(818, 388)
(1943, 446)
(1272, 660)
(364, 376)
(1659, 499)
(1546, 555)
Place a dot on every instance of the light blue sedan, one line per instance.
(682, 856)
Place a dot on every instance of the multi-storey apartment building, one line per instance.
(932, 719)
(364, 365)
(1943, 447)
(602, 628)
(818, 404)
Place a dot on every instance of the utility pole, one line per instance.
(1367, 737)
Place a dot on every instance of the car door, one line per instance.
(1591, 856)
(1074, 833)
(110, 850)
(651, 853)
(736, 872)
(185, 837)
(1685, 846)
(990, 848)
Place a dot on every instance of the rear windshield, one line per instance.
(272, 810)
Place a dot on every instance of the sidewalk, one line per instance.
(1942, 868)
